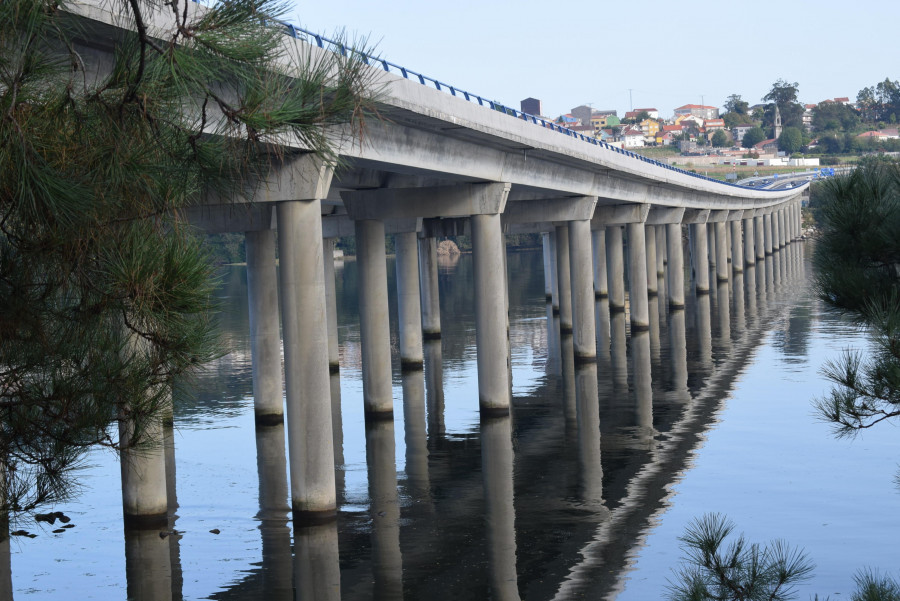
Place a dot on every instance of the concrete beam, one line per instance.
(233, 217)
(735, 215)
(717, 217)
(460, 200)
(606, 215)
(574, 208)
(695, 216)
(665, 215)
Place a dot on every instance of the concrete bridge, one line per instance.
(445, 162)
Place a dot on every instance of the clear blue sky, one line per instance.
(576, 52)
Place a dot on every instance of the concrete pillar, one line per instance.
(711, 237)
(776, 236)
(637, 264)
(615, 268)
(737, 248)
(661, 251)
(601, 281)
(554, 276)
(148, 566)
(676, 266)
(580, 265)
(416, 437)
(434, 389)
(760, 242)
(767, 226)
(548, 279)
(782, 228)
(334, 361)
(490, 318)
(307, 382)
(428, 288)
(618, 353)
(650, 237)
(587, 405)
(643, 383)
(374, 327)
(144, 498)
(722, 271)
(271, 467)
(700, 256)
(317, 569)
(409, 311)
(564, 279)
(265, 334)
(749, 243)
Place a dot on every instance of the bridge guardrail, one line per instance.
(389, 67)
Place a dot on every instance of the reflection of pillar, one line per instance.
(676, 266)
(738, 294)
(554, 276)
(317, 567)
(749, 242)
(434, 388)
(615, 270)
(700, 258)
(387, 561)
(148, 570)
(750, 286)
(617, 350)
(737, 248)
(653, 303)
(650, 237)
(588, 410)
(602, 321)
(428, 288)
(601, 287)
(497, 475)
(273, 519)
(583, 330)
(265, 337)
(553, 342)
(567, 366)
(409, 312)
(490, 314)
(724, 315)
(374, 328)
(722, 271)
(704, 330)
(334, 363)
(6, 588)
(548, 278)
(172, 500)
(767, 231)
(782, 228)
(564, 278)
(770, 279)
(643, 391)
(637, 268)
(678, 351)
(415, 436)
(307, 385)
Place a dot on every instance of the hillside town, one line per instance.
(779, 133)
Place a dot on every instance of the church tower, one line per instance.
(777, 123)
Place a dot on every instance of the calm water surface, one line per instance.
(581, 493)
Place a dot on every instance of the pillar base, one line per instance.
(494, 411)
(601, 295)
(431, 335)
(584, 359)
(676, 306)
(156, 521)
(334, 368)
(412, 365)
(616, 309)
(374, 416)
(302, 517)
(556, 310)
(639, 327)
(565, 330)
(721, 280)
(702, 292)
(652, 293)
(269, 419)
(548, 298)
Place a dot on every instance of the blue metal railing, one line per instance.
(327, 44)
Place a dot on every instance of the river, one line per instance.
(581, 493)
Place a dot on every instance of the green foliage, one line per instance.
(790, 140)
(872, 586)
(857, 261)
(753, 137)
(832, 116)
(105, 294)
(734, 104)
(720, 139)
(738, 570)
(784, 96)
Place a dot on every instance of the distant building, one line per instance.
(882, 134)
(767, 146)
(633, 137)
(652, 113)
(698, 110)
(583, 113)
(607, 113)
(649, 127)
(532, 106)
(738, 131)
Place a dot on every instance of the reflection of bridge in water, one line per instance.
(442, 165)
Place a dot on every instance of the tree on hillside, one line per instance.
(856, 259)
(784, 96)
(105, 294)
(734, 104)
(720, 139)
(790, 140)
(752, 137)
(833, 116)
(879, 102)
